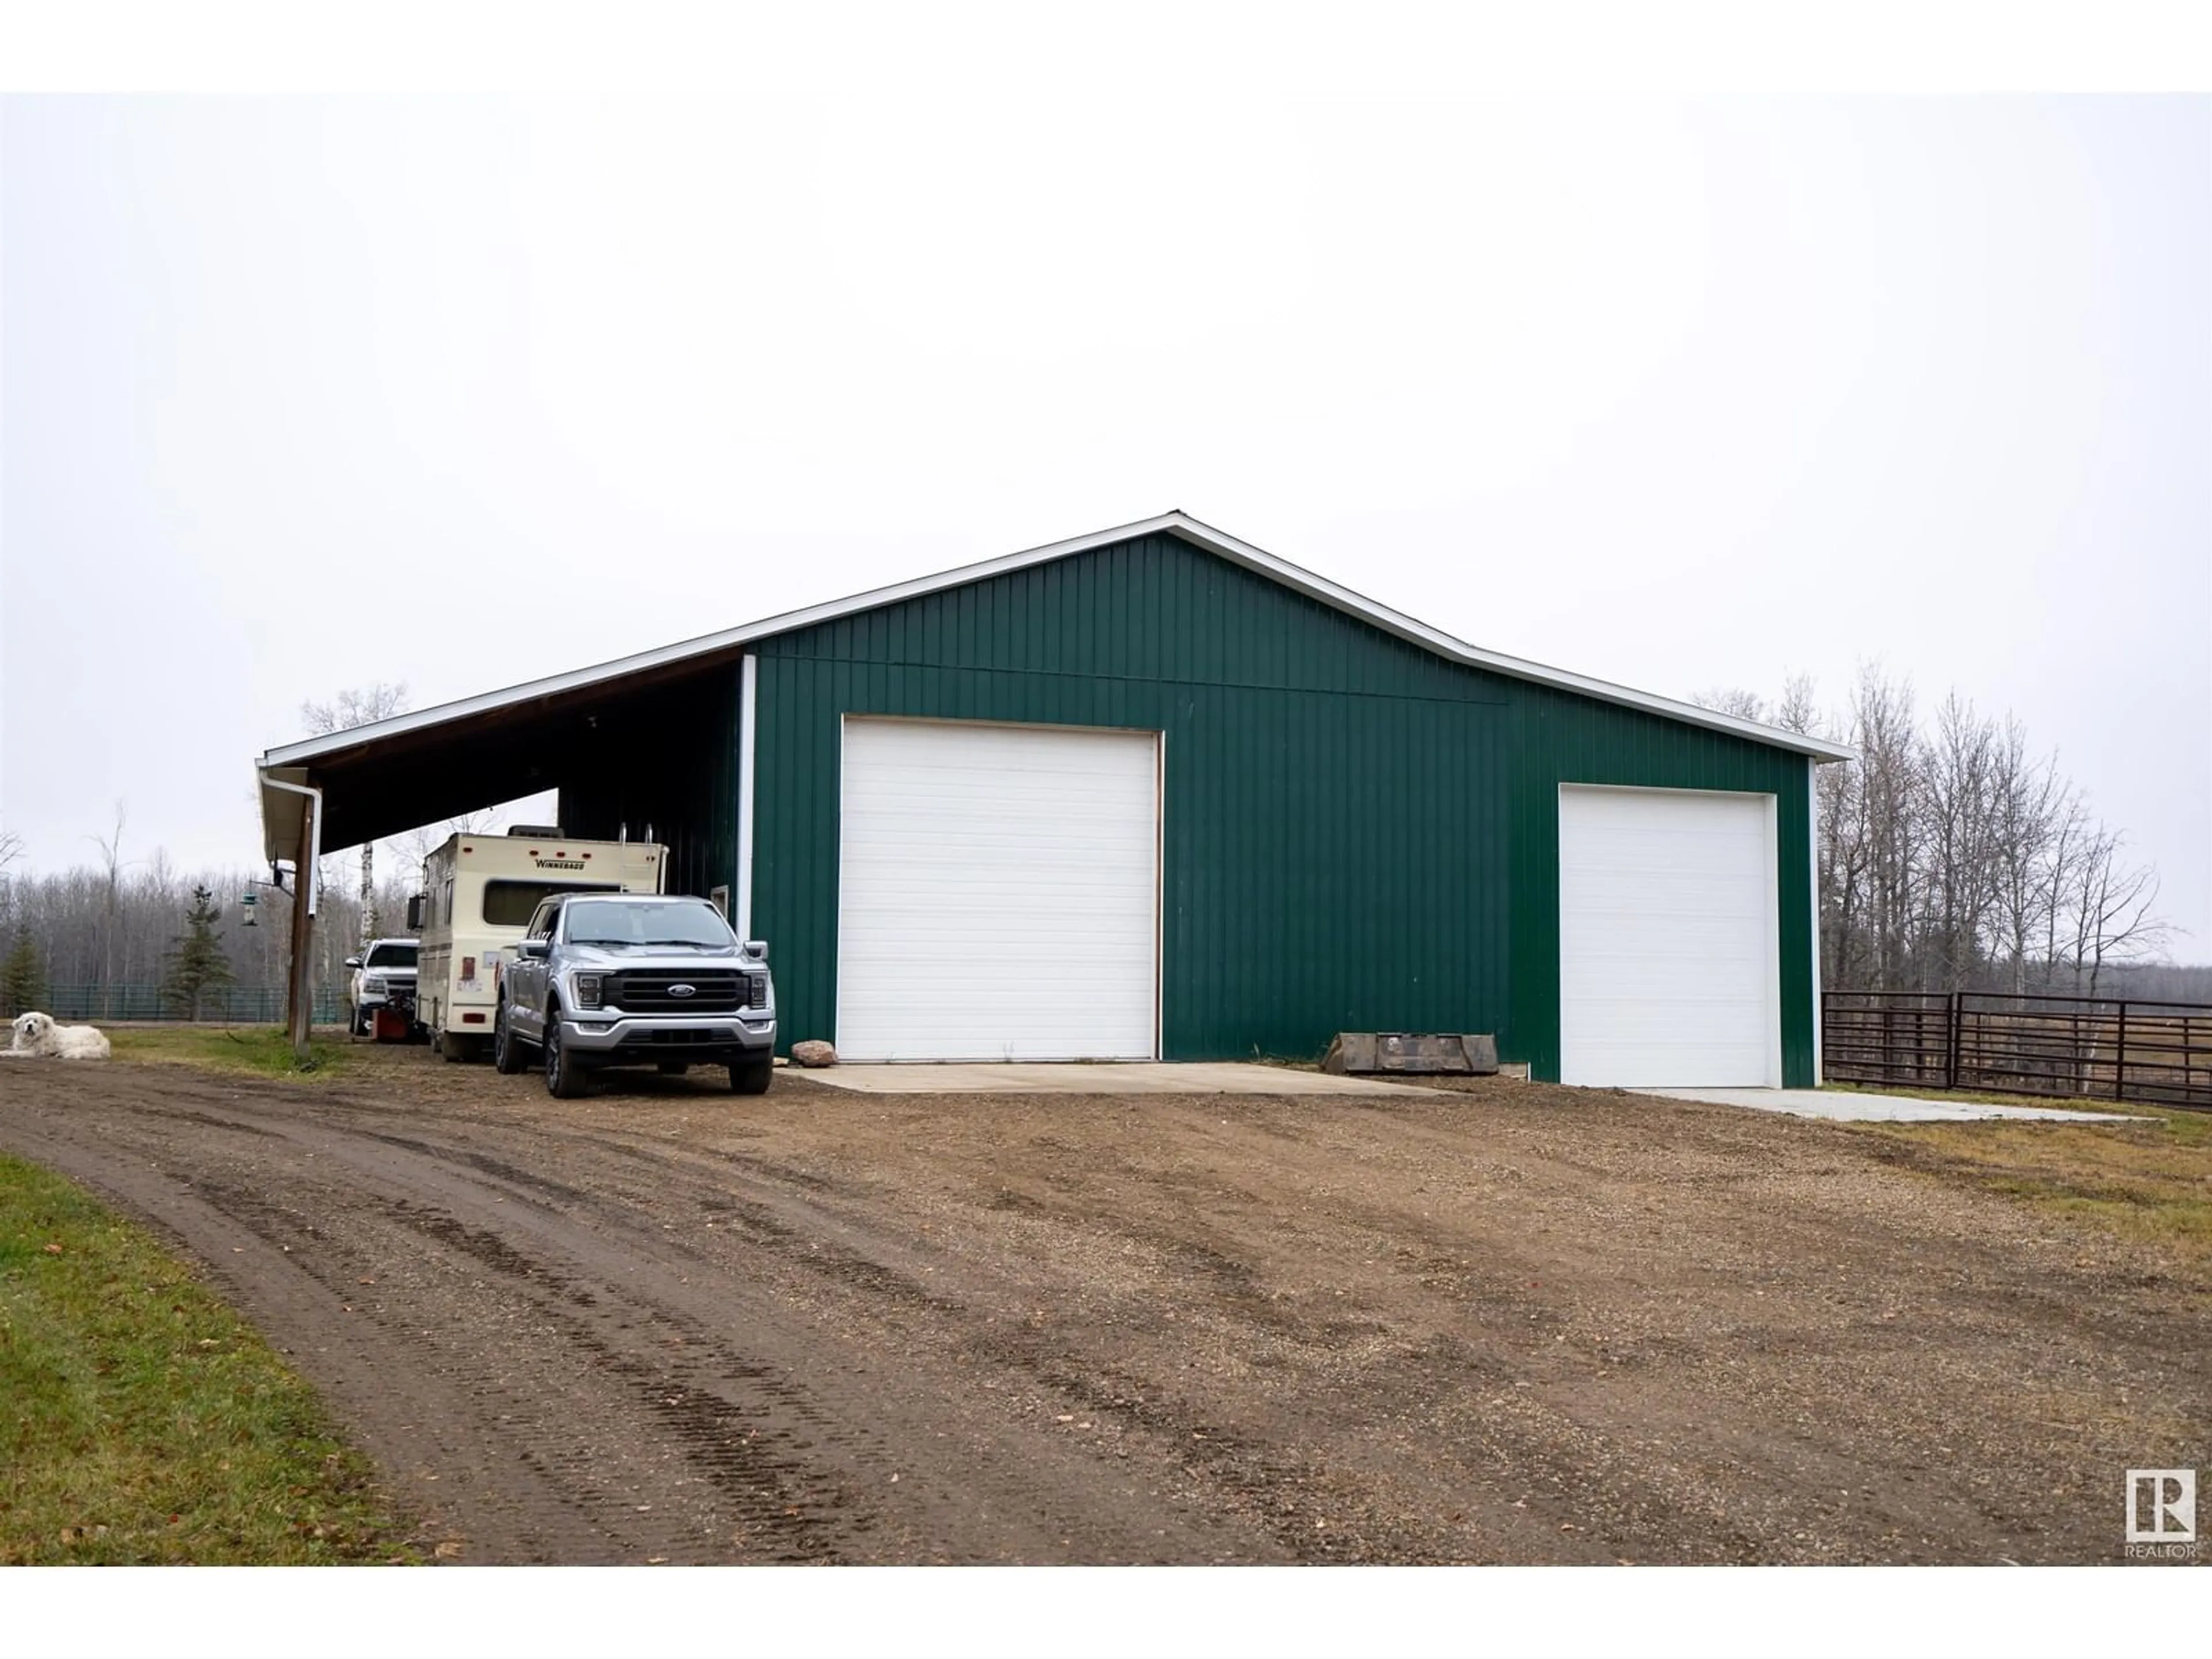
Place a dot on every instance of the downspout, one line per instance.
(300, 1019)
(315, 800)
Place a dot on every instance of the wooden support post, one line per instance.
(299, 1010)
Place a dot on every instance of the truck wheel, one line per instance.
(564, 1078)
(506, 1050)
(751, 1076)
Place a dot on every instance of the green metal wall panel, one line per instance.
(1357, 834)
(1332, 845)
(1559, 737)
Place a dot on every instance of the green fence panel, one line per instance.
(236, 1005)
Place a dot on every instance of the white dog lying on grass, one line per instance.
(37, 1037)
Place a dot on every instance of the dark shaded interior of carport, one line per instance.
(653, 751)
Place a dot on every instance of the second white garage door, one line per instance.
(998, 893)
(1669, 966)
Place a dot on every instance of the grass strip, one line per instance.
(142, 1422)
(2148, 1182)
(247, 1050)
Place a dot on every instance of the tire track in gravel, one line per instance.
(1589, 1449)
(1536, 1324)
(539, 1386)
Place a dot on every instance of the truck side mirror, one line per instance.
(757, 949)
(535, 949)
(353, 962)
(415, 913)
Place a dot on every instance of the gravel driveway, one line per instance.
(1508, 1324)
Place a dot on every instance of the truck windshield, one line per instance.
(512, 903)
(391, 955)
(606, 923)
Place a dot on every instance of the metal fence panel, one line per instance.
(235, 1005)
(2078, 1047)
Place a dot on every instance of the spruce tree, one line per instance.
(197, 963)
(22, 977)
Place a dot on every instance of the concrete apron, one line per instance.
(1124, 1078)
(1844, 1106)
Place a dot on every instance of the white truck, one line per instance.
(380, 996)
(478, 894)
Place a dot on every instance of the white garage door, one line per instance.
(1669, 966)
(998, 893)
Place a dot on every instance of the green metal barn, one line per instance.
(1153, 792)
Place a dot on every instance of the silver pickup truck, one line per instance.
(635, 979)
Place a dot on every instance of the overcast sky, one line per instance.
(301, 394)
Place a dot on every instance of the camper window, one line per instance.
(510, 904)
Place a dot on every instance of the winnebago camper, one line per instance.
(478, 893)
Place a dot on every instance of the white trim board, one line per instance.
(1813, 904)
(1178, 524)
(748, 737)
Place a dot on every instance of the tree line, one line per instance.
(137, 922)
(1952, 856)
(142, 922)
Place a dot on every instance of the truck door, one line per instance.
(525, 975)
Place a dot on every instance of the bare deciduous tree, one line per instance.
(1733, 700)
(2112, 915)
(365, 707)
(2029, 801)
(1886, 829)
(1799, 710)
(1954, 859)
(1955, 806)
(110, 853)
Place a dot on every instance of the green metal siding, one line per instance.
(1356, 834)
(1559, 737)
(1333, 847)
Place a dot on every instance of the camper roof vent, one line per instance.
(538, 831)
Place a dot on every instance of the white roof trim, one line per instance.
(280, 809)
(1176, 524)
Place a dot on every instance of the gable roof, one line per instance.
(1178, 524)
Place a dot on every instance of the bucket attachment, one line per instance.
(1355, 1053)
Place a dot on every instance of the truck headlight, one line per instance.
(372, 987)
(587, 989)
